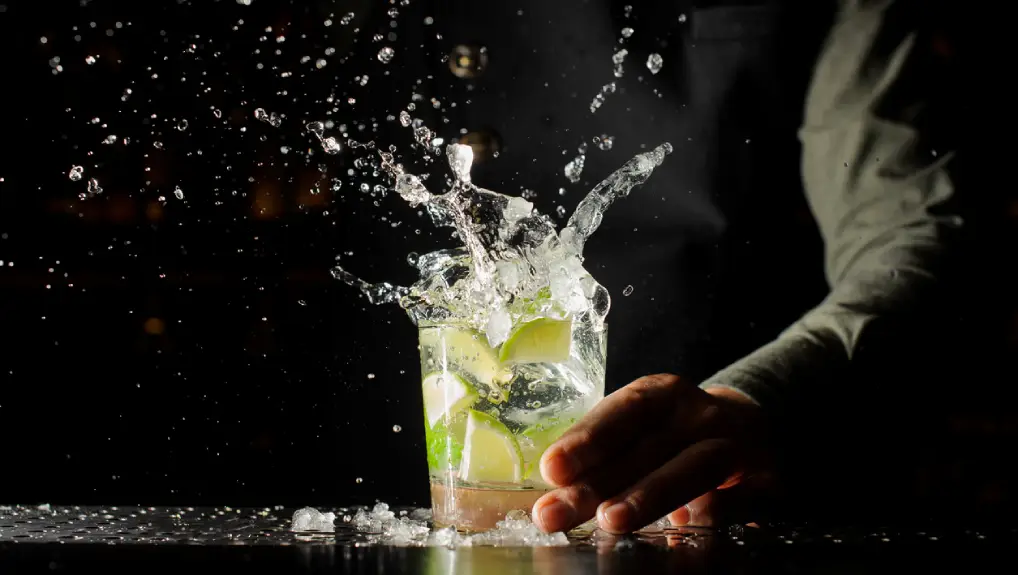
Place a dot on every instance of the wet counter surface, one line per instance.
(160, 539)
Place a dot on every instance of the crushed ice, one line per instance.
(382, 526)
(310, 519)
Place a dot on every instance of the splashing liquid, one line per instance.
(513, 265)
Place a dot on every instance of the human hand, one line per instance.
(657, 446)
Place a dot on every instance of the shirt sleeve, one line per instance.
(876, 167)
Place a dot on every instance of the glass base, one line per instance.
(476, 509)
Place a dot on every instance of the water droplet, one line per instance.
(272, 119)
(110, 140)
(560, 211)
(75, 173)
(404, 119)
(396, 429)
(178, 193)
(90, 60)
(601, 96)
(217, 113)
(619, 58)
(654, 63)
(682, 17)
(347, 18)
(182, 125)
(386, 54)
(412, 258)
(574, 169)
(316, 128)
(371, 376)
(604, 142)
(320, 63)
(331, 146)
(93, 187)
(627, 32)
(627, 291)
(157, 145)
(359, 480)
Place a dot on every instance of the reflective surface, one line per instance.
(69, 539)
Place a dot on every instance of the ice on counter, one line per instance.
(380, 525)
(310, 519)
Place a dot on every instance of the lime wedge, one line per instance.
(537, 438)
(445, 443)
(490, 452)
(445, 395)
(538, 341)
(467, 351)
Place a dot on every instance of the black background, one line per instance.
(197, 351)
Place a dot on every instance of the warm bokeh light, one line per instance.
(155, 326)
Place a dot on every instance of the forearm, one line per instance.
(876, 168)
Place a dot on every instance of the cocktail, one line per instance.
(512, 335)
(490, 413)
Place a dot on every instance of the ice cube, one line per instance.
(516, 209)
(310, 519)
(499, 325)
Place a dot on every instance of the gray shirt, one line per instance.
(880, 191)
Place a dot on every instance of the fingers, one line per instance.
(743, 502)
(711, 509)
(611, 426)
(569, 506)
(695, 471)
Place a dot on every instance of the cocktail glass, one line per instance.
(491, 412)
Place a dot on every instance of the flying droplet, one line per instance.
(654, 63)
(627, 291)
(386, 54)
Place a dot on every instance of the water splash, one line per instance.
(513, 266)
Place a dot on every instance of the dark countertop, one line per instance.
(147, 540)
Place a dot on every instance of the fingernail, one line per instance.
(556, 516)
(558, 469)
(618, 516)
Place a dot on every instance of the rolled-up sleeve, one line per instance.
(876, 165)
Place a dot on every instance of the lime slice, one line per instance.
(542, 340)
(445, 443)
(445, 395)
(467, 350)
(537, 438)
(490, 452)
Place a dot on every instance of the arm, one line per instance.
(875, 166)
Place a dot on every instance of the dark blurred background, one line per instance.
(178, 339)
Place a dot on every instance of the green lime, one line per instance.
(542, 340)
(445, 443)
(445, 395)
(490, 452)
(466, 350)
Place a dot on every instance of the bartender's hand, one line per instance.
(657, 447)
